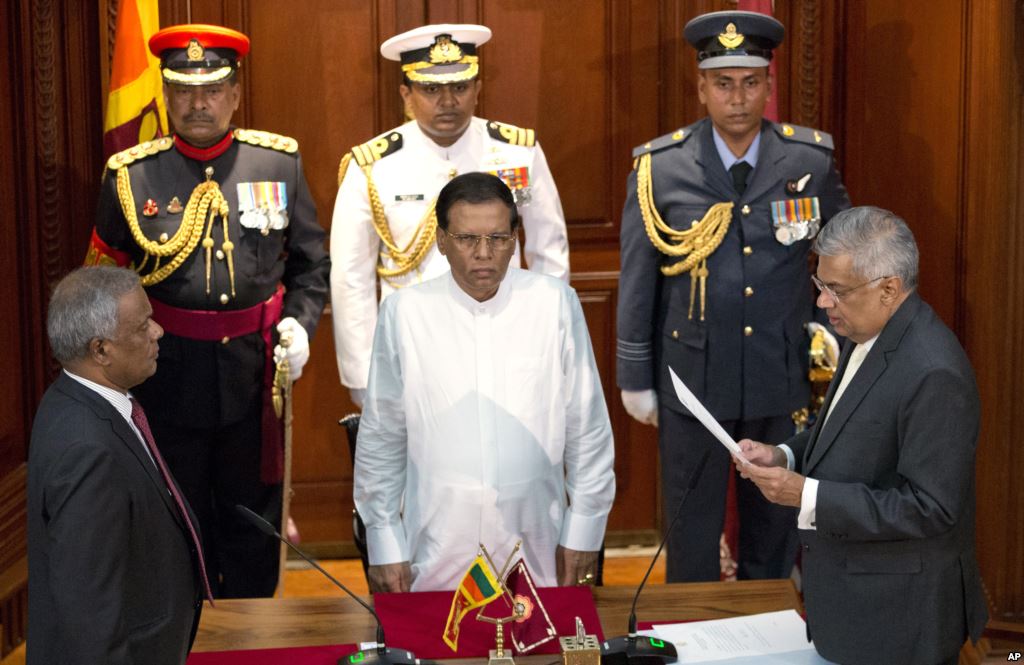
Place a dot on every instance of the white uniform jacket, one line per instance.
(408, 178)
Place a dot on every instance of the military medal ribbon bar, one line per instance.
(796, 219)
(518, 180)
(263, 205)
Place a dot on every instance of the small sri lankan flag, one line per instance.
(478, 587)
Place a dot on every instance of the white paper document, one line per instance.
(690, 401)
(770, 638)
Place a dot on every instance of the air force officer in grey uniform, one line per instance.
(715, 237)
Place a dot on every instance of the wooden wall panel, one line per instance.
(13, 423)
(990, 289)
(902, 134)
(50, 127)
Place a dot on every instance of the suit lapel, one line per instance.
(870, 370)
(106, 411)
(767, 173)
(844, 360)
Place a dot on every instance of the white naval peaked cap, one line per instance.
(438, 53)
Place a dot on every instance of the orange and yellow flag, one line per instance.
(478, 587)
(135, 104)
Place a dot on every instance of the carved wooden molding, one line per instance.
(44, 64)
(808, 67)
(111, 31)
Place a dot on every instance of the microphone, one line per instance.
(633, 649)
(381, 655)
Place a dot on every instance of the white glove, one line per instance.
(298, 351)
(642, 405)
(832, 352)
(357, 395)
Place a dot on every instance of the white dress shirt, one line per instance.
(481, 420)
(408, 182)
(807, 518)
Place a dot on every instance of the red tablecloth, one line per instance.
(415, 621)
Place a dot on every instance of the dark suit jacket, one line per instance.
(113, 576)
(737, 376)
(890, 574)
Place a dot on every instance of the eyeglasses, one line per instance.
(469, 241)
(839, 295)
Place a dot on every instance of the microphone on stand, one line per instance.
(633, 649)
(381, 655)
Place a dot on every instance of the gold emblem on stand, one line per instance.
(195, 50)
(730, 38)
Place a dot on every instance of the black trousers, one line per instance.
(767, 532)
(218, 468)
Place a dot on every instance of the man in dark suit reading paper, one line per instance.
(884, 481)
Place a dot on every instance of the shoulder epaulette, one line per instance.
(678, 136)
(511, 134)
(137, 152)
(386, 144)
(804, 135)
(267, 140)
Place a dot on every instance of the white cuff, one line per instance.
(386, 545)
(807, 519)
(790, 459)
(583, 534)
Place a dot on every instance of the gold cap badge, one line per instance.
(730, 38)
(195, 50)
(444, 51)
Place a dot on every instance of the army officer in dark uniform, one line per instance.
(221, 227)
(715, 237)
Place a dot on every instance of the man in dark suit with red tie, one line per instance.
(884, 481)
(116, 572)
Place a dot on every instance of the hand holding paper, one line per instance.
(690, 401)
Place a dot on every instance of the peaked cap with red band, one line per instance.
(198, 54)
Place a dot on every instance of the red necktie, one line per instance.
(139, 418)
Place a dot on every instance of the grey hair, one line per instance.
(83, 307)
(879, 242)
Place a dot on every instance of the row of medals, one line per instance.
(788, 233)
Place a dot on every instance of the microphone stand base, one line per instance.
(388, 656)
(637, 650)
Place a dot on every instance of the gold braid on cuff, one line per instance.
(694, 244)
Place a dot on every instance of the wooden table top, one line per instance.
(263, 623)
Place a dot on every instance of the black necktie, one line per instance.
(739, 172)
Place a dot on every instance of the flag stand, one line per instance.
(498, 655)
